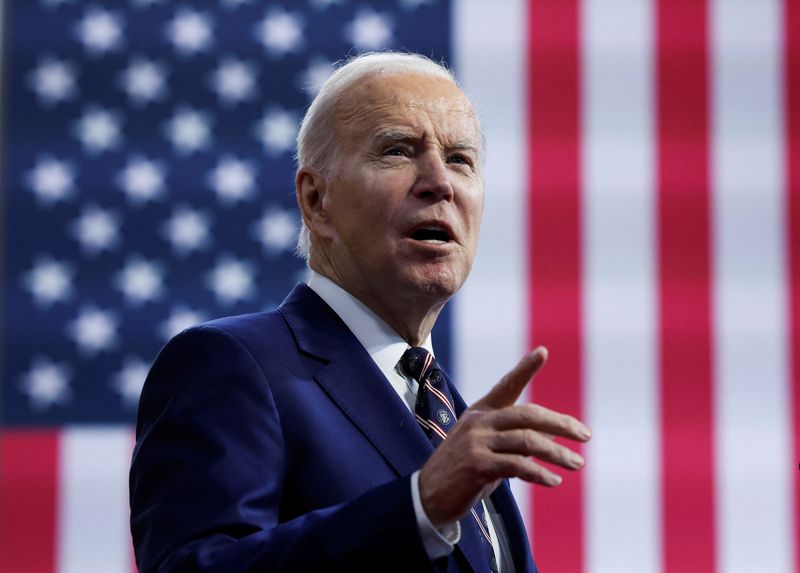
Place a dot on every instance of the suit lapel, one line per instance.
(354, 382)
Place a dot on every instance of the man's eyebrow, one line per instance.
(395, 136)
(465, 145)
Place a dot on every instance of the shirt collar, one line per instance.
(383, 344)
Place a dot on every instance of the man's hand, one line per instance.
(495, 439)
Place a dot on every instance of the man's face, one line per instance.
(406, 199)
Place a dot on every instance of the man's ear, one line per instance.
(310, 187)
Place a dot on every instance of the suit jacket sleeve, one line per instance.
(209, 472)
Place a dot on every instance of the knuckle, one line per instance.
(485, 470)
(534, 410)
(474, 446)
(506, 466)
(529, 440)
(471, 418)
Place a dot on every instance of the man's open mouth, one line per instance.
(432, 234)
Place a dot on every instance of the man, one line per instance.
(313, 437)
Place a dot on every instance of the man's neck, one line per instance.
(413, 320)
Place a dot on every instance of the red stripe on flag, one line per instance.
(792, 98)
(28, 486)
(685, 296)
(555, 258)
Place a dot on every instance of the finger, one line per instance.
(541, 419)
(508, 390)
(531, 443)
(523, 467)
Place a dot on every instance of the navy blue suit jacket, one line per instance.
(272, 442)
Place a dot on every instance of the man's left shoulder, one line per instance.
(252, 328)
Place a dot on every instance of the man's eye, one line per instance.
(460, 159)
(395, 152)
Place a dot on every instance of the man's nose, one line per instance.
(433, 178)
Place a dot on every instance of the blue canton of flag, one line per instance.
(149, 177)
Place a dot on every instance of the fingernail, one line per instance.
(554, 479)
(576, 459)
(585, 433)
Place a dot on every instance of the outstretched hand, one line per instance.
(495, 439)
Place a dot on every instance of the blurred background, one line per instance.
(642, 221)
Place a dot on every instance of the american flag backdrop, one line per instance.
(642, 221)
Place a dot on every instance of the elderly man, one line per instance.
(323, 435)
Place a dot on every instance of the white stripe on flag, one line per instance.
(753, 430)
(490, 313)
(93, 531)
(621, 384)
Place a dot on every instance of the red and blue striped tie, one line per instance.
(436, 415)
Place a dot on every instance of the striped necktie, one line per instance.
(436, 415)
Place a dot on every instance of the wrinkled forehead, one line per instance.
(411, 102)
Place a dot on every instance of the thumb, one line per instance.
(510, 387)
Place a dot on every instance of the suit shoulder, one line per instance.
(242, 324)
(255, 333)
(258, 332)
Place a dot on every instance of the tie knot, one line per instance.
(419, 364)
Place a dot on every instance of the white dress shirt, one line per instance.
(386, 348)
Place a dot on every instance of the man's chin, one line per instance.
(437, 282)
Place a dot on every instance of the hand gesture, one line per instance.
(495, 439)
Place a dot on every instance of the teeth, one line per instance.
(434, 241)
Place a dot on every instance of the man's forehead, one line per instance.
(382, 103)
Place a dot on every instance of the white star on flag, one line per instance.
(129, 380)
(99, 130)
(180, 318)
(277, 131)
(187, 230)
(49, 281)
(144, 81)
(46, 383)
(370, 30)
(231, 281)
(53, 81)
(141, 281)
(232, 180)
(190, 32)
(93, 330)
(276, 230)
(314, 75)
(96, 229)
(100, 31)
(189, 130)
(280, 32)
(233, 81)
(142, 180)
(51, 180)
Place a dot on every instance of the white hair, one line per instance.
(317, 144)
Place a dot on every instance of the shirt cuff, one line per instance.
(437, 541)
